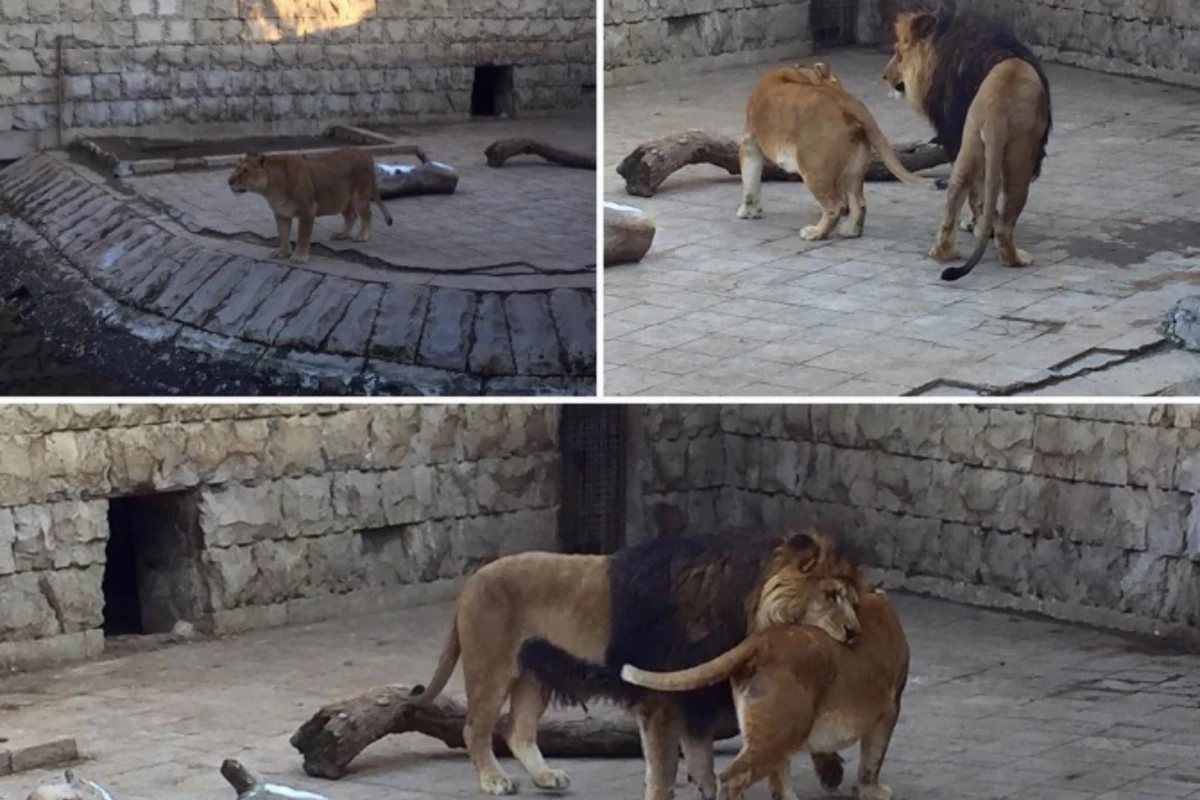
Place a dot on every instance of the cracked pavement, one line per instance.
(998, 705)
(728, 306)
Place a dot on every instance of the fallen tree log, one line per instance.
(500, 151)
(628, 233)
(406, 180)
(338, 732)
(653, 162)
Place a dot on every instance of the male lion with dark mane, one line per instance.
(989, 102)
(795, 688)
(804, 120)
(539, 626)
(342, 182)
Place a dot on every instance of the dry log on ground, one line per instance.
(653, 162)
(504, 149)
(628, 233)
(405, 180)
(338, 732)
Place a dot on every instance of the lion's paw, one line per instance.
(359, 237)
(552, 779)
(944, 252)
(851, 231)
(1024, 259)
(338, 236)
(299, 258)
(749, 212)
(498, 785)
(281, 252)
(810, 233)
(967, 223)
(876, 791)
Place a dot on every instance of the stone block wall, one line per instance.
(155, 67)
(1158, 39)
(258, 515)
(643, 39)
(1089, 513)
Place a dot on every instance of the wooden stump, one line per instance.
(405, 180)
(338, 732)
(499, 152)
(653, 162)
(628, 233)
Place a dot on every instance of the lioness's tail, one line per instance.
(884, 147)
(994, 137)
(422, 695)
(697, 677)
(379, 200)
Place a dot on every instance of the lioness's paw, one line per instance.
(299, 258)
(339, 235)
(810, 233)
(280, 252)
(498, 785)
(967, 223)
(358, 237)
(552, 779)
(944, 252)
(851, 231)
(749, 212)
(1023, 259)
(875, 791)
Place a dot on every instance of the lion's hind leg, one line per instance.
(362, 203)
(488, 678)
(750, 156)
(828, 192)
(781, 781)
(1018, 174)
(527, 703)
(348, 217)
(853, 177)
(872, 749)
(967, 168)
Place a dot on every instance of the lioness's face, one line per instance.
(910, 49)
(831, 608)
(250, 174)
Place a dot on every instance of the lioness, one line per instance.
(795, 688)
(804, 120)
(989, 101)
(533, 626)
(342, 182)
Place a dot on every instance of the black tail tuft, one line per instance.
(940, 184)
(953, 273)
(419, 689)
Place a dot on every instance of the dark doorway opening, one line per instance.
(592, 443)
(832, 22)
(152, 569)
(492, 91)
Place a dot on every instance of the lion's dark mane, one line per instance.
(967, 45)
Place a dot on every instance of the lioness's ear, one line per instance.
(822, 69)
(922, 26)
(805, 548)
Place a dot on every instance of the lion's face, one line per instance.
(250, 174)
(911, 53)
(809, 583)
(832, 608)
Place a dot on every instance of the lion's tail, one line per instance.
(884, 148)
(423, 695)
(994, 137)
(697, 677)
(379, 200)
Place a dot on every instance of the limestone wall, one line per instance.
(170, 65)
(643, 39)
(272, 514)
(1088, 513)
(1157, 39)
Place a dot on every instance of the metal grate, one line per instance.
(592, 441)
(832, 22)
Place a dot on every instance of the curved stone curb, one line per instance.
(94, 267)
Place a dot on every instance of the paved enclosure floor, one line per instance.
(728, 306)
(998, 706)
(527, 225)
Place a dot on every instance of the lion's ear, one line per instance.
(804, 547)
(922, 26)
(822, 69)
(257, 158)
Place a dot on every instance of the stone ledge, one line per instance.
(167, 315)
(37, 653)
